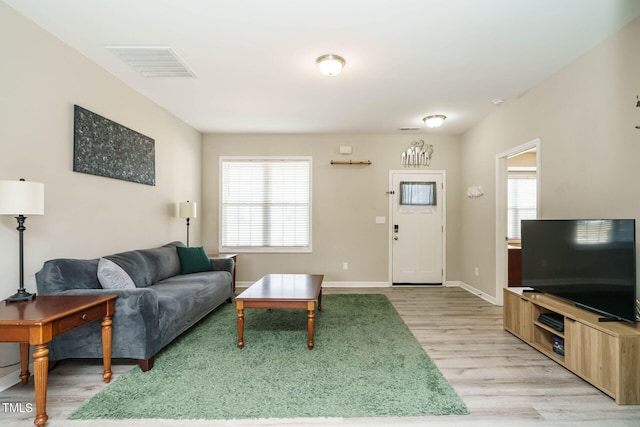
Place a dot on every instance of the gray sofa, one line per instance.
(163, 304)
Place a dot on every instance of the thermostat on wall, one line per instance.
(345, 149)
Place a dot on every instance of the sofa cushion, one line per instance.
(112, 276)
(185, 299)
(193, 260)
(136, 267)
(149, 266)
(164, 259)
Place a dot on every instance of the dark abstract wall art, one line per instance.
(105, 148)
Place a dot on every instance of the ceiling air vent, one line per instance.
(409, 128)
(153, 61)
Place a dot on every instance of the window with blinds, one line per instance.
(265, 204)
(522, 201)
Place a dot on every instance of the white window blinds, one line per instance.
(521, 202)
(266, 204)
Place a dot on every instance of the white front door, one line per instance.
(417, 227)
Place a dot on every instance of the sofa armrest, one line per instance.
(222, 264)
(136, 331)
(136, 301)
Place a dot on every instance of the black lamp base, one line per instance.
(21, 295)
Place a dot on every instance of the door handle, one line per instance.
(395, 238)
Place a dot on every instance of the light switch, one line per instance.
(381, 220)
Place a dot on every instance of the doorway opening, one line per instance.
(517, 197)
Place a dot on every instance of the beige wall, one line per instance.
(85, 216)
(585, 116)
(346, 200)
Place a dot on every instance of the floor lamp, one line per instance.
(21, 198)
(188, 210)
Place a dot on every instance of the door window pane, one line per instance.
(418, 193)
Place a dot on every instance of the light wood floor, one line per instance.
(503, 381)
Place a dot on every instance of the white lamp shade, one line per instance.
(21, 198)
(188, 209)
(330, 65)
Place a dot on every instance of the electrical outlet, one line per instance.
(345, 265)
(476, 271)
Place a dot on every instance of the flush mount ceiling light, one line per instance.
(434, 121)
(330, 65)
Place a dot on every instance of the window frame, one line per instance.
(263, 249)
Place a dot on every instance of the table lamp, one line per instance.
(21, 198)
(188, 210)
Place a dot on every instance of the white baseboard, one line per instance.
(356, 284)
(334, 284)
(473, 291)
(12, 378)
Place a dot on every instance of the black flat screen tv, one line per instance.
(590, 262)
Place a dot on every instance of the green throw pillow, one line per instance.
(193, 260)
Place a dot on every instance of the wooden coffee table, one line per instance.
(282, 291)
(38, 321)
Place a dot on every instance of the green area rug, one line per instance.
(365, 363)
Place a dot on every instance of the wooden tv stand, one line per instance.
(607, 355)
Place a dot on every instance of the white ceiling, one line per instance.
(255, 59)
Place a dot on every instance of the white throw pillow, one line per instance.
(112, 276)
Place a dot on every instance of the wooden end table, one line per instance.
(38, 321)
(282, 291)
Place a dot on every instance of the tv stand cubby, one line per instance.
(607, 355)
